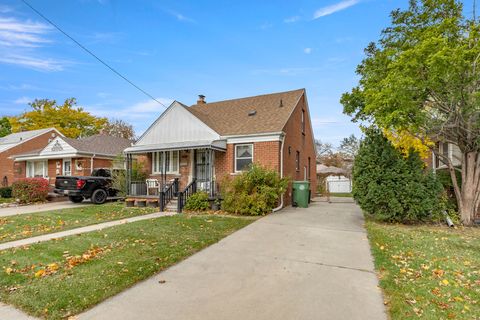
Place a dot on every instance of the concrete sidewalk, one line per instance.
(34, 208)
(310, 263)
(94, 227)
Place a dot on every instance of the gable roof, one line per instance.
(231, 117)
(176, 125)
(99, 144)
(15, 139)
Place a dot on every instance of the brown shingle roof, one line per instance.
(100, 143)
(231, 117)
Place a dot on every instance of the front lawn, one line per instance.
(428, 272)
(341, 194)
(34, 224)
(6, 200)
(60, 278)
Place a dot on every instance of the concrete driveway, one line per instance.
(310, 263)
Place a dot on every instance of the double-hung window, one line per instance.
(37, 169)
(165, 162)
(243, 156)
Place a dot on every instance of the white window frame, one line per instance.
(235, 158)
(30, 174)
(161, 166)
(63, 166)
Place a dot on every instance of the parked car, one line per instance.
(97, 187)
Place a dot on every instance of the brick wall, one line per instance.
(267, 154)
(7, 167)
(295, 141)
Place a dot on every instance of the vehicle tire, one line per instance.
(76, 199)
(99, 196)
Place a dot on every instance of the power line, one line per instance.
(92, 54)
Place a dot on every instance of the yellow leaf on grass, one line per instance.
(9, 270)
(40, 273)
(445, 282)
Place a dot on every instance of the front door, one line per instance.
(202, 169)
(67, 167)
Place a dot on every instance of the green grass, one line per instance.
(34, 224)
(115, 259)
(342, 195)
(428, 272)
(6, 200)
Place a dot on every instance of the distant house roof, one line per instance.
(15, 139)
(323, 169)
(100, 143)
(251, 115)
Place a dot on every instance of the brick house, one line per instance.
(67, 156)
(21, 142)
(205, 142)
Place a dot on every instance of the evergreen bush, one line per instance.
(392, 187)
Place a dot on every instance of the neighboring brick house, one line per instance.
(209, 141)
(66, 156)
(21, 142)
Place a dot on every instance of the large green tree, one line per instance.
(423, 77)
(68, 118)
(5, 127)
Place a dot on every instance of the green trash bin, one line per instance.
(301, 193)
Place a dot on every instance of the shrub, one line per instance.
(392, 187)
(198, 202)
(254, 192)
(30, 190)
(6, 192)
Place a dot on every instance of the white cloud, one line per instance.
(320, 122)
(266, 25)
(307, 50)
(328, 10)
(147, 109)
(291, 19)
(18, 41)
(14, 33)
(39, 64)
(22, 100)
(180, 17)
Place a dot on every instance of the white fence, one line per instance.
(340, 184)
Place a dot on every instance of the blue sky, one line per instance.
(179, 49)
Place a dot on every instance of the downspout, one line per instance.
(281, 172)
(91, 164)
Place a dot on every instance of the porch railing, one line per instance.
(167, 193)
(183, 196)
(138, 188)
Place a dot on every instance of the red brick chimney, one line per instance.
(201, 99)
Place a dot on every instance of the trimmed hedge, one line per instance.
(392, 187)
(30, 190)
(6, 192)
(254, 192)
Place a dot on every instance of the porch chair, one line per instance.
(152, 184)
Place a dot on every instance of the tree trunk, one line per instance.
(468, 196)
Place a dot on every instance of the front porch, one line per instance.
(171, 175)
